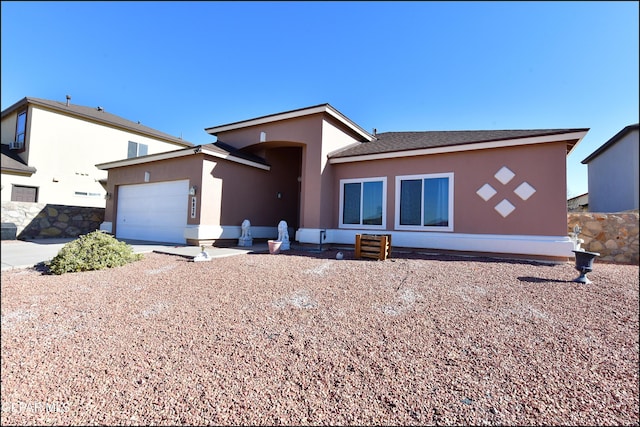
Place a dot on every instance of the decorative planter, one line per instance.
(584, 264)
(274, 246)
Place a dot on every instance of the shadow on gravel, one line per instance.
(42, 268)
(541, 280)
(331, 253)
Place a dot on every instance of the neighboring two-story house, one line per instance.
(50, 149)
(613, 173)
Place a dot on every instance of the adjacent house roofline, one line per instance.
(604, 147)
(208, 149)
(12, 163)
(97, 115)
(322, 108)
(404, 144)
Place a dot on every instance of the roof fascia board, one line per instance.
(266, 119)
(335, 113)
(236, 159)
(15, 106)
(325, 108)
(614, 139)
(22, 172)
(578, 139)
(176, 154)
(463, 147)
(146, 159)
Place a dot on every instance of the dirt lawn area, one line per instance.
(302, 338)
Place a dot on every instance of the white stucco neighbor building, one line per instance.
(613, 173)
(50, 149)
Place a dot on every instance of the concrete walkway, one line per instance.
(25, 254)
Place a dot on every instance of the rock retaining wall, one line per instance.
(613, 235)
(40, 220)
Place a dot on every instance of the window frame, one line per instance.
(361, 181)
(137, 145)
(20, 135)
(422, 177)
(14, 193)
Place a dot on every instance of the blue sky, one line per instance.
(180, 67)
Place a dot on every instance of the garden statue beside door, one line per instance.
(283, 235)
(245, 237)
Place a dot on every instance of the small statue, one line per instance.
(202, 256)
(283, 235)
(575, 238)
(245, 236)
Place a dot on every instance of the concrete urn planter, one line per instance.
(584, 264)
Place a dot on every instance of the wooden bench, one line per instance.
(377, 246)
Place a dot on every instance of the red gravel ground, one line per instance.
(302, 338)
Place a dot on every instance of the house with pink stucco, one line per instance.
(479, 191)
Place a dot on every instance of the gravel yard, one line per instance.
(302, 338)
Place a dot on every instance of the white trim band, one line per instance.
(552, 246)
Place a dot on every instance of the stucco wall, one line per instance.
(189, 168)
(41, 220)
(250, 193)
(542, 166)
(613, 235)
(318, 135)
(228, 192)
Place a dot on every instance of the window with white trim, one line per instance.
(362, 202)
(136, 150)
(424, 202)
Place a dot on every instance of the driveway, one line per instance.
(24, 254)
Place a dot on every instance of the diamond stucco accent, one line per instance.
(504, 175)
(524, 190)
(504, 208)
(486, 192)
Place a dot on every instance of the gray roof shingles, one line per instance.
(11, 162)
(97, 115)
(389, 142)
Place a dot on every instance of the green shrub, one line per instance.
(94, 251)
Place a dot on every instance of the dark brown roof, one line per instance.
(11, 162)
(389, 142)
(97, 115)
(615, 138)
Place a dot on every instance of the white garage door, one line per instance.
(156, 212)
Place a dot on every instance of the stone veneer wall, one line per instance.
(41, 220)
(613, 235)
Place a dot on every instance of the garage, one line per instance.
(156, 211)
